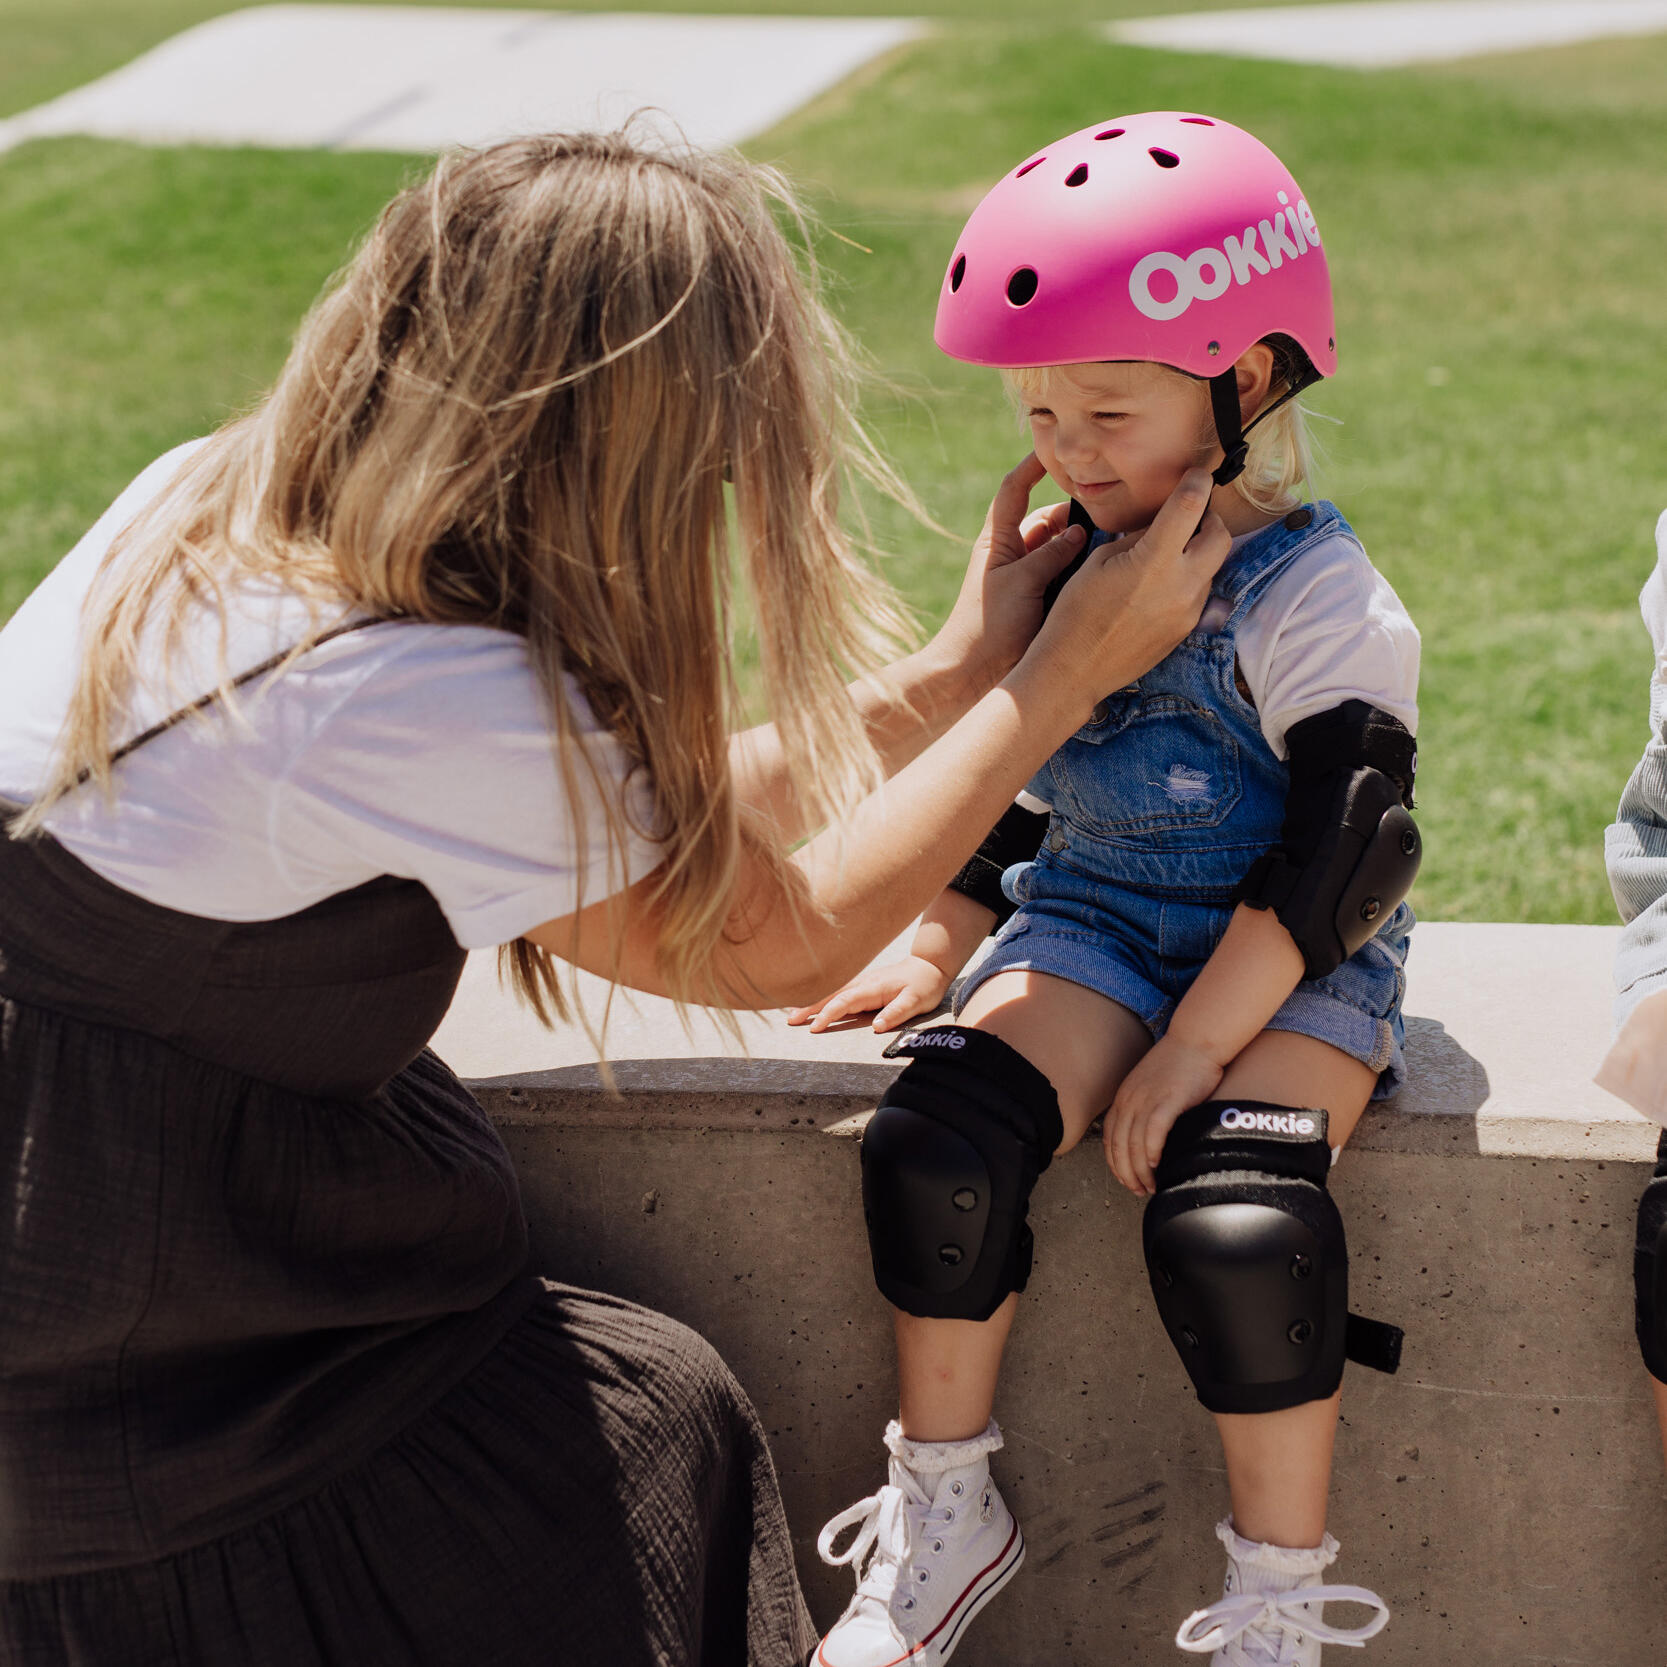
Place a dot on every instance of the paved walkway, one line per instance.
(407, 78)
(1388, 32)
(417, 78)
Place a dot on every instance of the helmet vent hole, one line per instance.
(1198, 121)
(1028, 166)
(1164, 158)
(1110, 133)
(957, 272)
(1021, 287)
(1078, 175)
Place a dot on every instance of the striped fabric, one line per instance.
(1635, 844)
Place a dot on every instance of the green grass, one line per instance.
(1494, 231)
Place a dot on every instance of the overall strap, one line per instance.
(213, 695)
(1273, 549)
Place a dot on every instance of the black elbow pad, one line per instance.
(1017, 837)
(1349, 849)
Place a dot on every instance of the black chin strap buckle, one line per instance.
(1233, 464)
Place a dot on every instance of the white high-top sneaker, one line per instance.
(933, 1546)
(1269, 1613)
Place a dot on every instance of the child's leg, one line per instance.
(1085, 1045)
(1279, 1463)
(938, 1542)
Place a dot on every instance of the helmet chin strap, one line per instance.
(1224, 402)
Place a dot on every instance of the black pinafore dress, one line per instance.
(275, 1387)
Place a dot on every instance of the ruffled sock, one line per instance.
(1264, 1567)
(931, 1458)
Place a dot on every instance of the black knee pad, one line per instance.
(1248, 1262)
(1649, 1268)
(948, 1161)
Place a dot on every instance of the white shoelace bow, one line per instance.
(884, 1526)
(1207, 1630)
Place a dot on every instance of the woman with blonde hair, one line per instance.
(432, 652)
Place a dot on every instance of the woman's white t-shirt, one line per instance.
(422, 751)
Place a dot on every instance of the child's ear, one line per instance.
(1253, 371)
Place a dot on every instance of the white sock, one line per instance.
(929, 1458)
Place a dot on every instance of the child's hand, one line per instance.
(894, 994)
(1173, 1076)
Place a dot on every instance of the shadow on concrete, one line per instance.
(1446, 1086)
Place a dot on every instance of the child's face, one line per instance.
(1118, 437)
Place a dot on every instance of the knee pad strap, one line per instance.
(948, 1163)
(1649, 1269)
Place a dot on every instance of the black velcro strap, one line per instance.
(1016, 838)
(1270, 884)
(1258, 1135)
(1348, 737)
(1373, 1343)
(998, 1061)
(1079, 517)
(1224, 403)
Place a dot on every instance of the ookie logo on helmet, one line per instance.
(1206, 272)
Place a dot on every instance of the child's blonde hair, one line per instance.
(518, 406)
(1280, 463)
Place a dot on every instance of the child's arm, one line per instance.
(1331, 660)
(950, 930)
(1243, 984)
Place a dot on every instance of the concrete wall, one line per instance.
(1504, 1492)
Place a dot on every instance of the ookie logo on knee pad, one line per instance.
(932, 1039)
(1288, 234)
(1267, 1122)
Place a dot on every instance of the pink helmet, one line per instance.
(1177, 239)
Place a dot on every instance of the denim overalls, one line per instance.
(1161, 803)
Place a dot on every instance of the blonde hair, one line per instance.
(559, 378)
(1280, 462)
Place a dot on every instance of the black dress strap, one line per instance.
(213, 695)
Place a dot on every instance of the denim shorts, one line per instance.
(1143, 952)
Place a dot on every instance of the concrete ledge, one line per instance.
(1504, 1492)
(1505, 1026)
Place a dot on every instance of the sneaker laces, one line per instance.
(885, 1527)
(1238, 1616)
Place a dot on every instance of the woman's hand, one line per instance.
(1131, 602)
(1173, 1076)
(1014, 559)
(894, 994)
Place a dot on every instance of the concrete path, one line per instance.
(1383, 33)
(409, 78)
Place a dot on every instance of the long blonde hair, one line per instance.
(518, 406)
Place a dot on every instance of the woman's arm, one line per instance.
(852, 888)
(908, 705)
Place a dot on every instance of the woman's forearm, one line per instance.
(905, 841)
(1241, 986)
(904, 708)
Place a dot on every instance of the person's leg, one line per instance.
(938, 1542)
(1279, 1463)
(1084, 1045)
